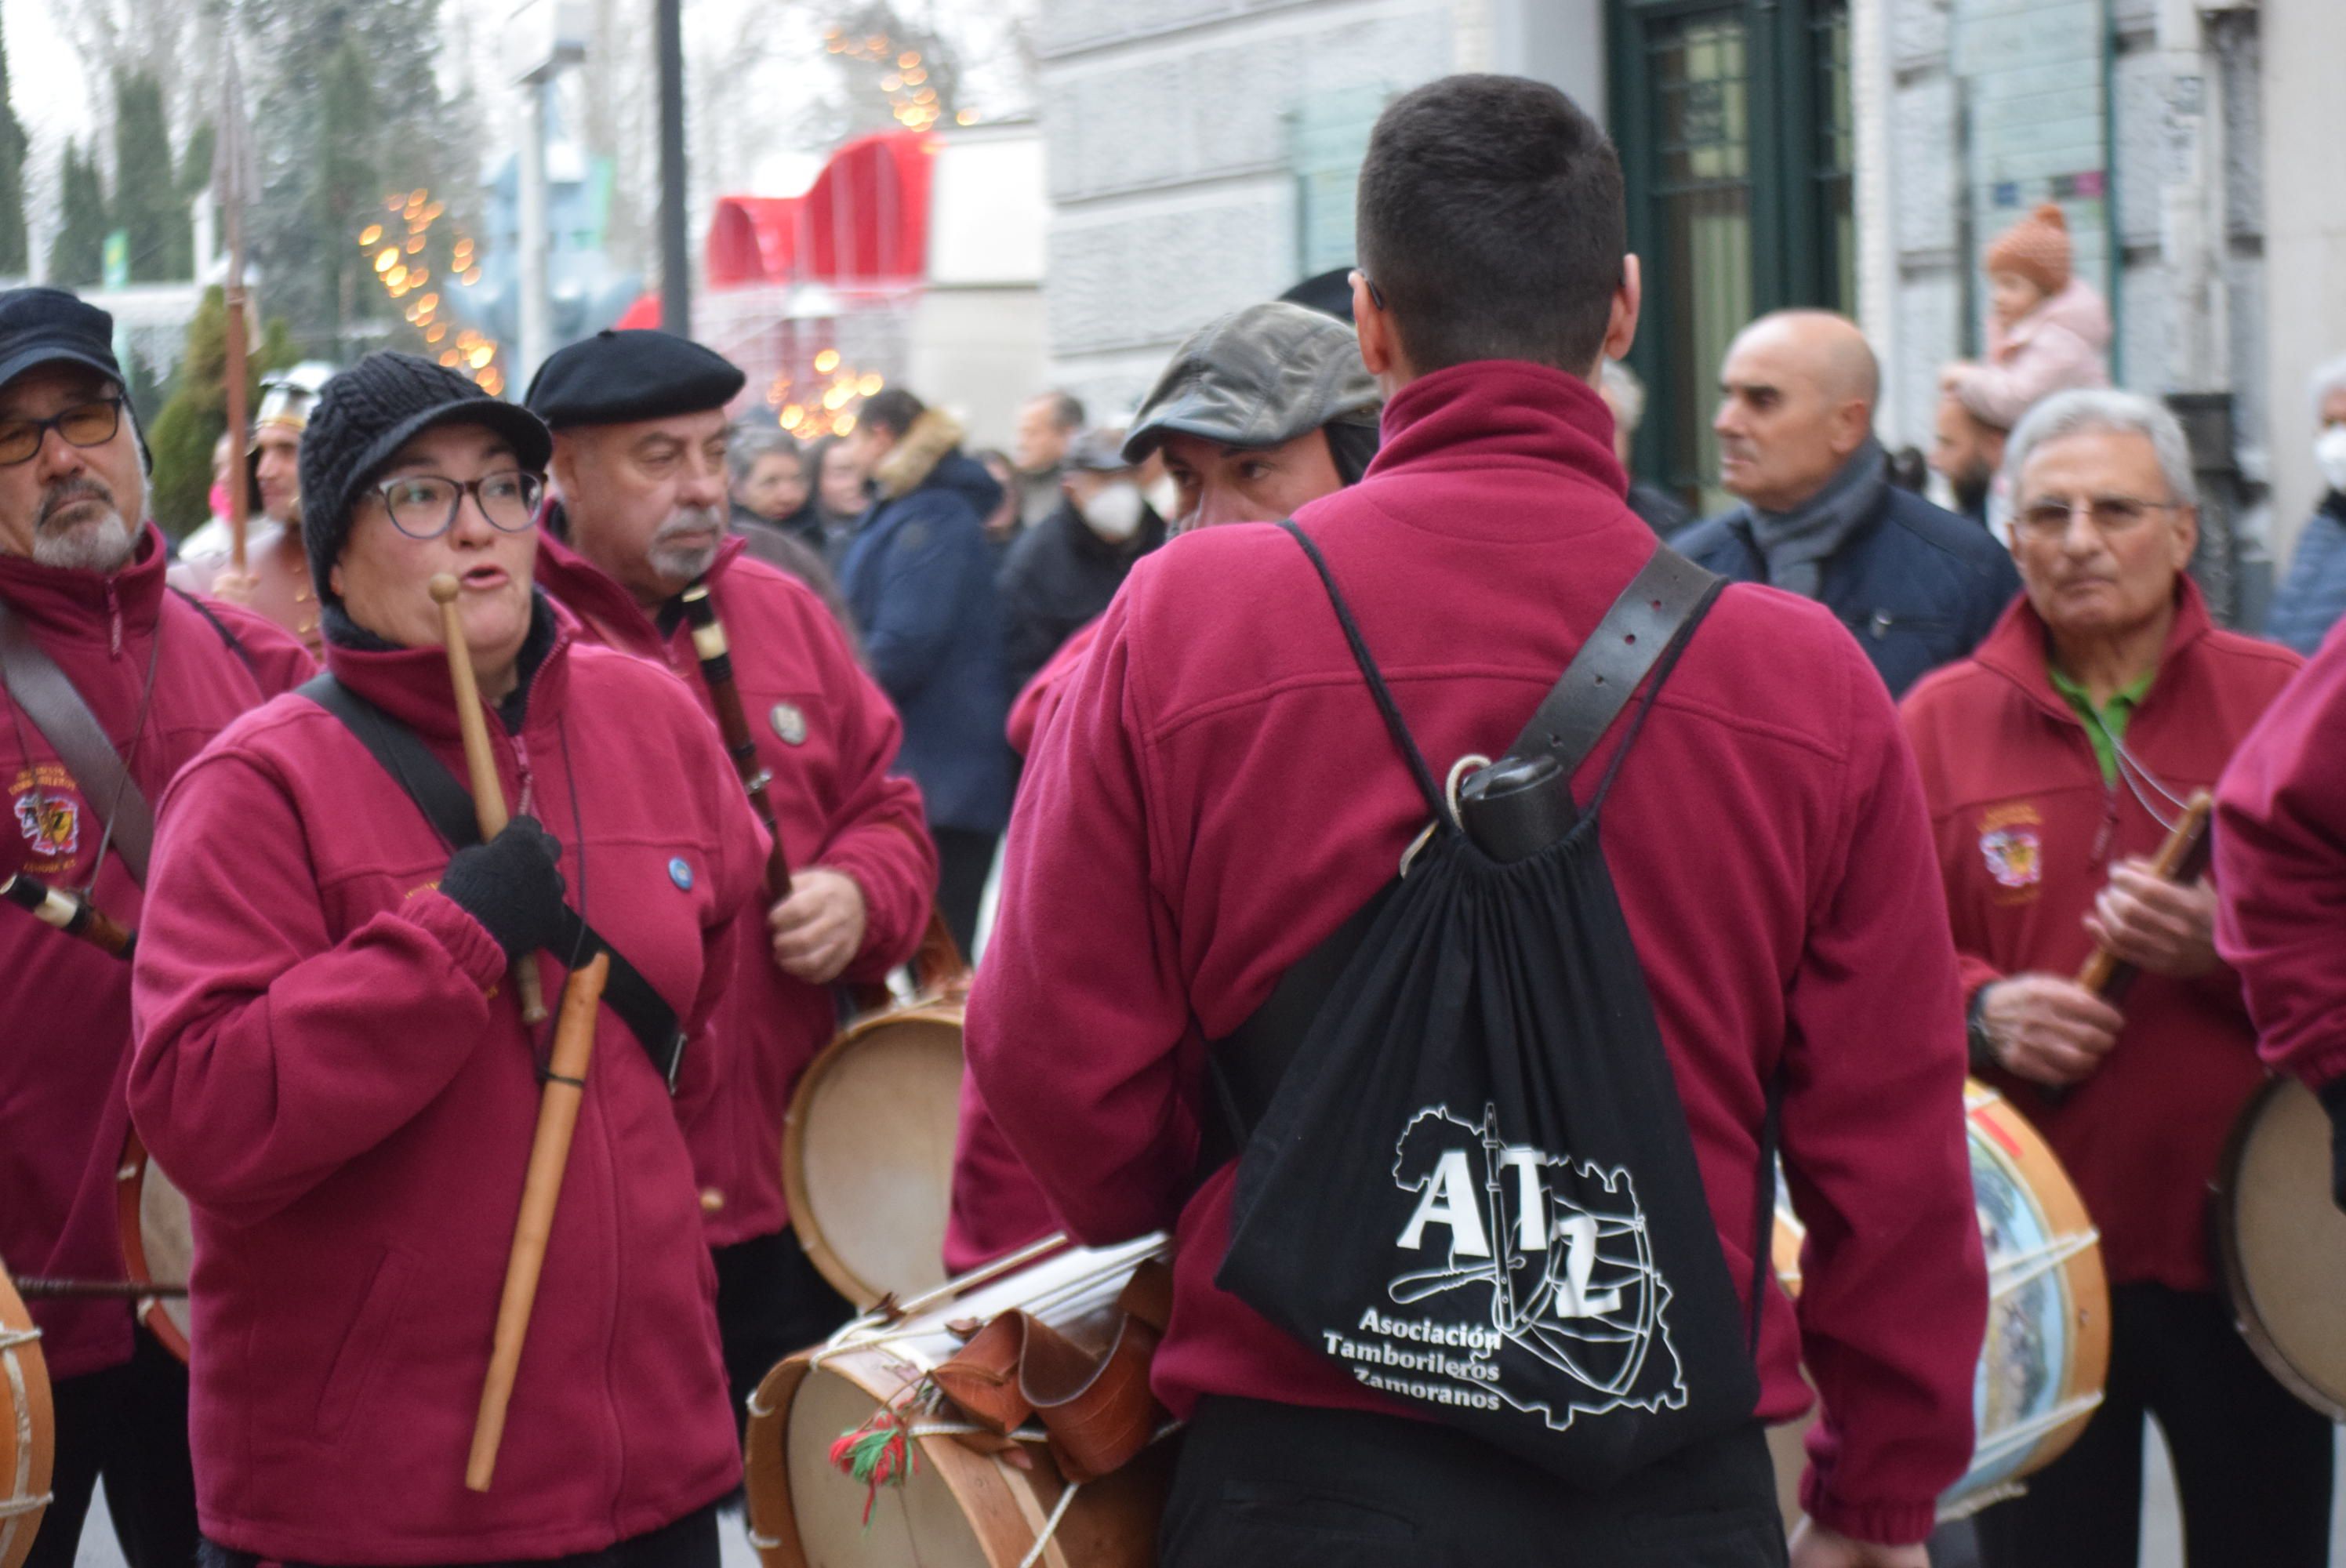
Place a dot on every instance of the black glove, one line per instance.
(511, 885)
(2332, 1095)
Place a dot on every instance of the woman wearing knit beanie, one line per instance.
(2048, 331)
(332, 1063)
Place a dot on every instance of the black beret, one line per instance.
(616, 378)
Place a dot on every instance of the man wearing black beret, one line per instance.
(637, 514)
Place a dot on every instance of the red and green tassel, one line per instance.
(878, 1453)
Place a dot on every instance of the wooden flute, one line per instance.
(2182, 858)
(480, 761)
(70, 913)
(715, 656)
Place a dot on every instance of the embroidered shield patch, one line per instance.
(2013, 856)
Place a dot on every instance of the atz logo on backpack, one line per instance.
(1542, 1257)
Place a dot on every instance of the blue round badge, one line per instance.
(681, 873)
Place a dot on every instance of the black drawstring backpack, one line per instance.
(1470, 1184)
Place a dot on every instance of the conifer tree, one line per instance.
(78, 253)
(147, 205)
(14, 253)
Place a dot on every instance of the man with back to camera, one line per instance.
(1919, 585)
(1223, 789)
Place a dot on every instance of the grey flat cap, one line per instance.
(1099, 449)
(1258, 377)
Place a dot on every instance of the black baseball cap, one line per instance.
(48, 326)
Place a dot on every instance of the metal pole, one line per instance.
(676, 285)
(536, 326)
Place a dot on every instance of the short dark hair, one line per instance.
(893, 409)
(1492, 224)
(1067, 408)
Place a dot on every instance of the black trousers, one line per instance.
(1280, 1485)
(2252, 1465)
(964, 857)
(129, 1425)
(689, 1542)
(770, 1303)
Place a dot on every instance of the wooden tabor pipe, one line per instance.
(2181, 858)
(69, 912)
(488, 795)
(549, 1155)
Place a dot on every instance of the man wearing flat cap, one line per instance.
(637, 514)
(100, 718)
(1061, 572)
(1261, 412)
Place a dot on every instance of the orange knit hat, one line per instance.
(2037, 247)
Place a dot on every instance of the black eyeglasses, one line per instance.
(84, 424)
(424, 505)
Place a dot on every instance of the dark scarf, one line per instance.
(1797, 544)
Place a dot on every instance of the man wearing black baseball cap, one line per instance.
(99, 720)
(638, 516)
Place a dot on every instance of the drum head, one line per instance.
(2283, 1244)
(27, 1428)
(158, 1243)
(920, 1525)
(867, 1154)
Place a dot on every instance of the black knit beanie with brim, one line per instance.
(364, 415)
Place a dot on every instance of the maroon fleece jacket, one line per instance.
(829, 737)
(1217, 793)
(2280, 851)
(2027, 832)
(65, 1006)
(331, 1064)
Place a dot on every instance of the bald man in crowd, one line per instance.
(1917, 584)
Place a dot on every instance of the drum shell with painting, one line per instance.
(27, 1428)
(957, 1507)
(2281, 1242)
(868, 1149)
(159, 1244)
(2046, 1351)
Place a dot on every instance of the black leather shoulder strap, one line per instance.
(1640, 627)
(47, 695)
(447, 804)
(235, 644)
(1654, 614)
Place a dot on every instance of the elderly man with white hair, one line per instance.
(2053, 760)
(2313, 597)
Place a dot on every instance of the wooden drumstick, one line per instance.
(2181, 858)
(549, 1155)
(488, 795)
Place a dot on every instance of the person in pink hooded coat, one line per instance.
(2048, 330)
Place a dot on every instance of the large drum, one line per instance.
(159, 1244)
(2048, 1326)
(27, 1428)
(955, 1507)
(868, 1149)
(2282, 1243)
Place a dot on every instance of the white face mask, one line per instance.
(1115, 512)
(2330, 456)
(1165, 497)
